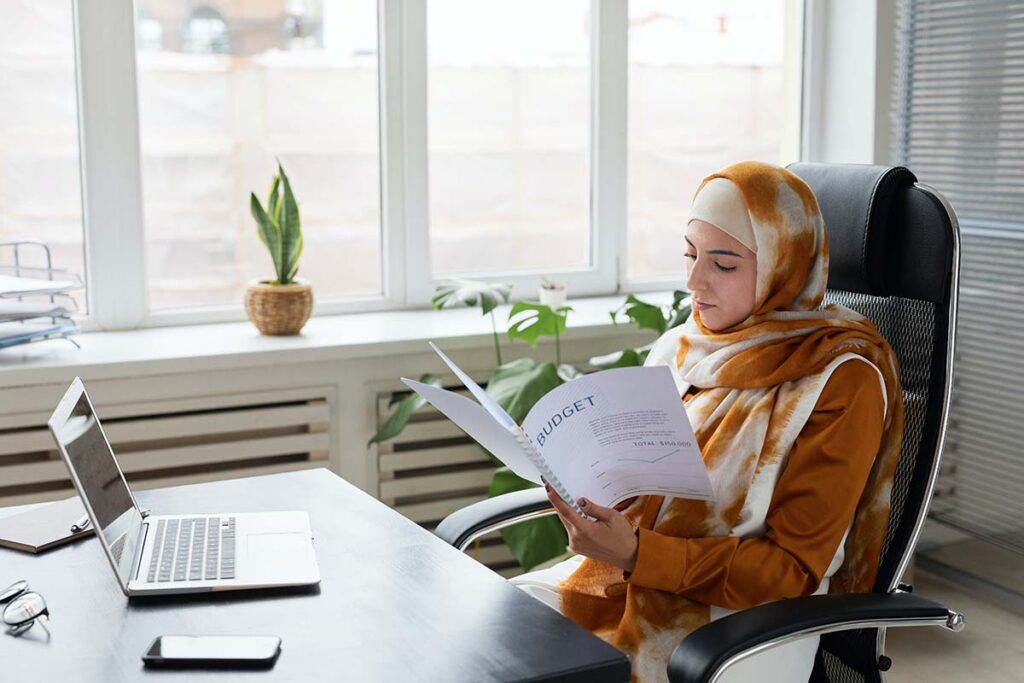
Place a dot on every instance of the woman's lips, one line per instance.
(701, 306)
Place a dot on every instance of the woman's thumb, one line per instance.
(594, 510)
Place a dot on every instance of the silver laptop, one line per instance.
(162, 554)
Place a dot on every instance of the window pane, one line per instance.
(224, 89)
(509, 126)
(40, 183)
(707, 88)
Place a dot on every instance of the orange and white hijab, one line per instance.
(757, 383)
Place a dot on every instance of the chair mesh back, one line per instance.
(917, 332)
(909, 327)
(832, 669)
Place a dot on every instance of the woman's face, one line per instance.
(721, 274)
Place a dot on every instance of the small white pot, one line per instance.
(553, 298)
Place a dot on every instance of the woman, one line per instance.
(799, 415)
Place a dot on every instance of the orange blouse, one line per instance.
(811, 509)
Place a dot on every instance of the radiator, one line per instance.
(432, 469)
(176, 441)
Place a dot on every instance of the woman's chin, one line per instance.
(713, 319)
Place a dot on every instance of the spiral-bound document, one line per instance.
(606, 436)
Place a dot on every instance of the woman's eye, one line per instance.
(724, 269)
(692, 257)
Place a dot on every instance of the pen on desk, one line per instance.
(81, 524)
(84, 522)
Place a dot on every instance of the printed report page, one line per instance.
(619, 433)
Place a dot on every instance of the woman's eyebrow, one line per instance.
(723, 252)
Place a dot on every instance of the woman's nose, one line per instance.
(695, 280)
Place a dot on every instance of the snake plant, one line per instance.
(279, 228)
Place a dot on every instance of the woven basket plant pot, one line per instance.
(279, 309)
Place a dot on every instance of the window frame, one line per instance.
(112, 184)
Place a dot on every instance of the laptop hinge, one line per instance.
(140, 548)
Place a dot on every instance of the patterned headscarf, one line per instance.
(758, 382)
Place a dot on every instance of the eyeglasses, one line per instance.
(23, 608)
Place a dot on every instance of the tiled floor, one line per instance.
(990, 648)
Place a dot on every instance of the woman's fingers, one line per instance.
(602, 514)
(566, 513)
(608, 538)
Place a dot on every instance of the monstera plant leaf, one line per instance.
(533, 541)
(646, 316)
(627, 358)
(568, 373)
(680, 310)
(519, 384)
(532, 321)
(457, 291)
(407, 405)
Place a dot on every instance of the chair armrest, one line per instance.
(465, 525)
(706, 652)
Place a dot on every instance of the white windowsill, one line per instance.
(222, 346)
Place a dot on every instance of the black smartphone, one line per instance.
(213, 651)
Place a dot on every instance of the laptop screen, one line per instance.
(97, 477)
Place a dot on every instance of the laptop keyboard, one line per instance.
(193, 549)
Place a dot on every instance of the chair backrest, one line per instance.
(894, 257)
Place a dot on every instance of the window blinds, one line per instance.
(958, 123)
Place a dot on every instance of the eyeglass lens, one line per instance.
(24, 608)
(13, 591)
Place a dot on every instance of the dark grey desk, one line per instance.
(394, 604)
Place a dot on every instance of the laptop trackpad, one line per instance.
(281, 550)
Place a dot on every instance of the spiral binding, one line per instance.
(538, 460)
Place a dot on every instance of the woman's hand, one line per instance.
(609, 537)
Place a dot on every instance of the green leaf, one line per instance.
(533, 321)
(535, 541)
(627, 358)
(295, 260)
(291, 230)
(568, 373)
(680, 308)
(268, 232)
(471, 293)
(518, 385)
(274, 200)
(406, 407)
(679, 317)
(646, 316)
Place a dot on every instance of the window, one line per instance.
(40, 191)
(424, 140)
(707, 87)
(509, 127)
(295, 81)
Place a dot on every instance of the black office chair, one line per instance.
(894, 257)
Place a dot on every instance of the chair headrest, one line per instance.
(887, 237)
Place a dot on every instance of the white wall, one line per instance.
(848, 72)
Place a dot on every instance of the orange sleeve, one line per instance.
(813, 503)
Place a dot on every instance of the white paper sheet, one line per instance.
(489, 404)
(480, 425)
(608, 436)
(619, 433)
(20, 310)
(13, 286)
